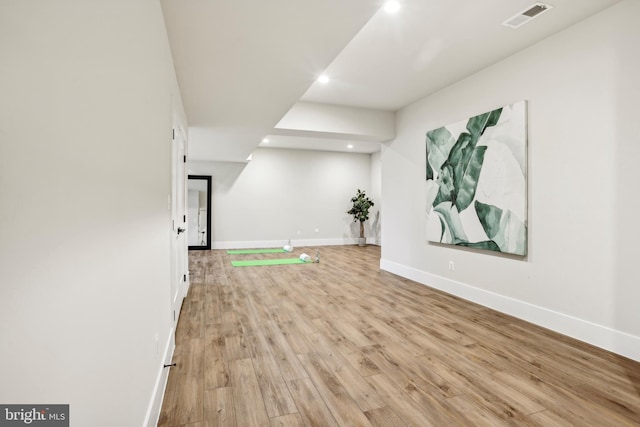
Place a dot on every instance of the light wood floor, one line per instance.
(341, 343)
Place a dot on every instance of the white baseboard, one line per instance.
(155, 405)
(604, 337)
(250, 244)
(374, 241)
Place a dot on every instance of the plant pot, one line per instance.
(362, 241)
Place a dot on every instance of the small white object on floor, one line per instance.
(304, 257)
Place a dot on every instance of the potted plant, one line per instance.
(360, 212)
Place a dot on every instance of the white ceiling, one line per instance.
(242, 64)
(429, 44)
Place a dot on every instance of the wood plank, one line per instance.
(294, 336)
(338, 340)
(384, 417)
(247, 399)
(275, 394)
(354, 384)
(277, 345)
(409, 411)
(218, 408)
(407, 371)
(212, 305)
(477, 415)
(191, 323)
(342, 406)
(362, 363)
(216, 368)
(311, 406)
(291, 420)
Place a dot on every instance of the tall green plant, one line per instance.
(360, 209)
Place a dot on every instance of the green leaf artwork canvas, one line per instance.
(477, 181)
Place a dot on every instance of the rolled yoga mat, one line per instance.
(256, 251)
(258, 262)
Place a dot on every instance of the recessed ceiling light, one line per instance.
(324, 79)
(392, 6)
(350, 146)
(265, 140)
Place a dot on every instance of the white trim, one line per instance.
(155, 405)
(374, 241)
(250, 244)
(604, 337)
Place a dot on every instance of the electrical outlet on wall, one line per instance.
(452, 265)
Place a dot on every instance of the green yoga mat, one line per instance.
(257, 262)
(255, 251)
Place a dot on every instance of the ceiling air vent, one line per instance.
(526, 15)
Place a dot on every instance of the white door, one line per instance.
(179, 262)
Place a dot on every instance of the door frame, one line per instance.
(206, 178)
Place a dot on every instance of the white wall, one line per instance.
(282, 194)
(87, 92)
(357, 123)
(579, 277)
